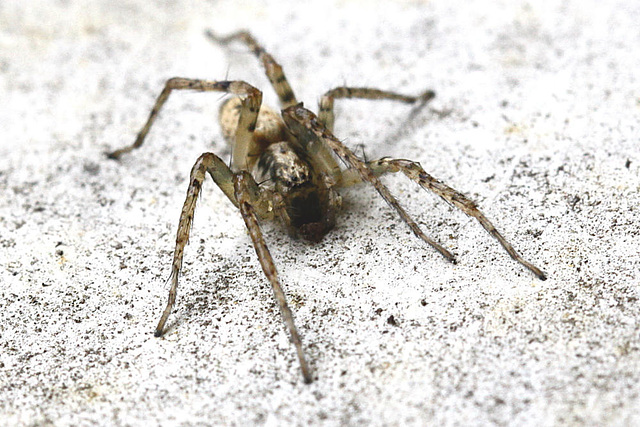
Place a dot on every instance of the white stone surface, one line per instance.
(542, 131)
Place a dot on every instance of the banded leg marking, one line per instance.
(415, 172)
(325, 111)
(273, 70)
(248, 117)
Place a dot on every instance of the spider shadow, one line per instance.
(202, 297)
(413, 121)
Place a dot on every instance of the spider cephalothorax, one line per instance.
(308, 203)
(284, 168)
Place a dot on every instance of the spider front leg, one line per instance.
(325, 111)
(251, 106)
(244, 193)
(242, 184)
(306, 126)
(415, 172)
(222, 175)
(274, 71)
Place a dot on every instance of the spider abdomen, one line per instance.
(269, 129)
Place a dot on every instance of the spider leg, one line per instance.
(222, 175)
(303, 123)
(251, 106)
(325, 111)
(272, 68)
(326, 115)
(242, 182)
(415, 172)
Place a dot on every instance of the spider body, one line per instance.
(284, 168)
(309, 203)
(306, 202)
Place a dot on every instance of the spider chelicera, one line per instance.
(284, 168)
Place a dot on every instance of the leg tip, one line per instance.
(535, 270)
(427, 96)
(211, 35)
(113, 155)
(448, 255)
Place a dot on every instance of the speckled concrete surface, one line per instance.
(536, 119)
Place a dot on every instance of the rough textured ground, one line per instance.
(536, 118)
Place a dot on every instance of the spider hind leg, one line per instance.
(274, 71)
(325, 110)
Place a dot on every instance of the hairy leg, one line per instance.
(272, 68)
(326, 115)
(305, 124)
(417, 174)
(222, 175)
(242, 181)
(252, 98)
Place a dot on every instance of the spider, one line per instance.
(285, 168)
